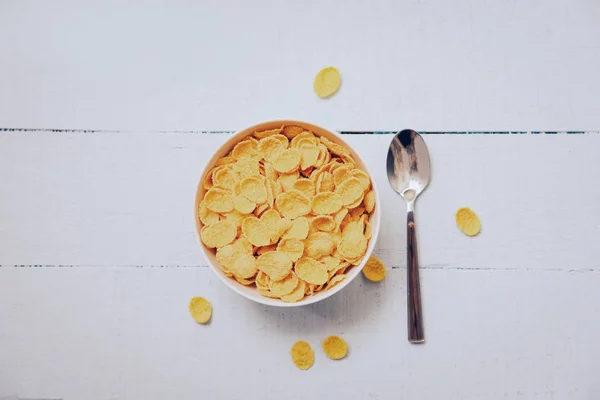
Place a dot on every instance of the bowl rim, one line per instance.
(375, 218)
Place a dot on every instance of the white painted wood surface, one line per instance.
(510, 314)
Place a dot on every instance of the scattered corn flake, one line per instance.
(468, 221)
(374, 270)
(287, 161)
(293, 204)
(335, 347)
(327, 203)
(311, 271)
(327, 82)
(218, 234)
(256, 231)
(303, 355)
(200, 309)
(275, 264)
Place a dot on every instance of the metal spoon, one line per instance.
(408, 171)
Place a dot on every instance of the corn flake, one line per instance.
(267, 133)
(218, 200)
(327, 203)
(256, 231)
(350, 190)
(218, 234)
(327, 82)
(294, 248)
(243, 205)
(297, 294)
(298, 229)
(254, 189)
(324, 223)
(275, 264)
(305, 186)
(374, 270)
(319, 244)
(468, 221)
(207, 217)
(287, 161)
(200, 309)
(311, 271)
(284, 286)
(293, 204)
(291, 131)
(335, 347)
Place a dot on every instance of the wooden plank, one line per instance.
(122, 333)
(127, 199)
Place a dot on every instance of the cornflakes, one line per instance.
(200, 309)
(311, 271)
(374, 270)
(287, 212)
(218, 234)
(303, 355)
(468, 222)
(327, 82)
(335, 347)
(293, 204)
(275, 264)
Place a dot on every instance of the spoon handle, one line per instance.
(415, 315)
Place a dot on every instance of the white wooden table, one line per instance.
(105, 112)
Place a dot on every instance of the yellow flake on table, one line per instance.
(303, 355)
(374, 269)
(335, 347)
(468, 222)
(200, 309)
(327, 82)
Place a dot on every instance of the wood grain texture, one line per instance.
(509, 314)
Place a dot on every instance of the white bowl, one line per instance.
(250, 292)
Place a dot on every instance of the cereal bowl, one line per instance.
(309, 176)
